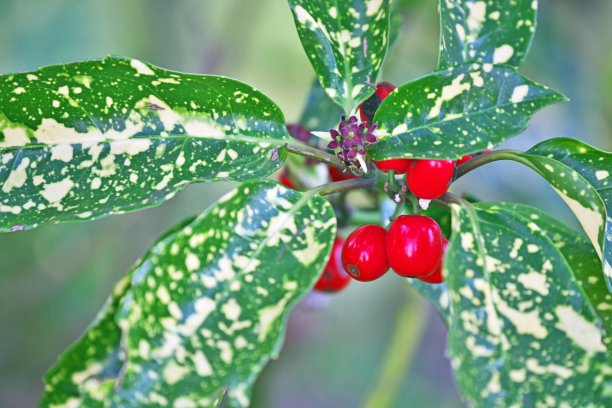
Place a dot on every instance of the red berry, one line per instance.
(286, 181)
(429, 179)
(334, 277)
(364, 255)
(337, 174)
(384, 88)
(368, 108)
(414, 245)
(399, 165)
(436, 276)
(464, 159)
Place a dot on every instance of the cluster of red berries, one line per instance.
(413, 247)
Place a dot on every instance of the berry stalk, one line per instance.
(485, 158)
(345, 185)
(310, 152)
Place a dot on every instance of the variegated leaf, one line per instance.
(522, 333)
(346, 42)
(465, 109)
(490, 31)
(582, 197)
(98, 353)
(595, 167)
(108, 136)
(581, 257)
(98, 350)
(206, 307)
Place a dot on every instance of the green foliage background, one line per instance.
(54, 279)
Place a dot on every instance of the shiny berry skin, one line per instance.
(399, 165)
(364, 254)
(465, 158)
(368, 108)
(429, 179)
(337, 174)
(286, 181)
(414, 245)
(436, 276)
(334, 278)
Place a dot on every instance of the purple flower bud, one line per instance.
(371, 139)
(333, 145)
(352, 139)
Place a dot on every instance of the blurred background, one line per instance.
(55, 278)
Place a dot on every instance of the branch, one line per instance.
(345, 185)
(318, 155)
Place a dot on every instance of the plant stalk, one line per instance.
(485, 158)
(318, 155)
(344, 185)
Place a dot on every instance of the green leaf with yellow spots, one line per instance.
(593, 210)
(578, 252)
(346, 42)
(97, 351)
(462, 110)
(489, 31)
(82, 140)
(522, 331)
(581, 257)
(206, 308)
(579, 173)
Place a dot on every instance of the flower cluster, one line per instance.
(352, 140)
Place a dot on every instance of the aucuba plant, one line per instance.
(527, 301)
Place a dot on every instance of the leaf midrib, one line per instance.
(233, 138)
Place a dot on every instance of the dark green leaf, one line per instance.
(490, 31)
(108, 136)
(581, 257)
(522, 332)
(206, 308)
(346, 42)
(595, 167)
(462, 110)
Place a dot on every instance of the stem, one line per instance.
(409, 328)
(316, 154)
(397, 212)
(345, 185)
(483, 159)
(449, 198)
(391, 178)
(414, 201)
(441, 202)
